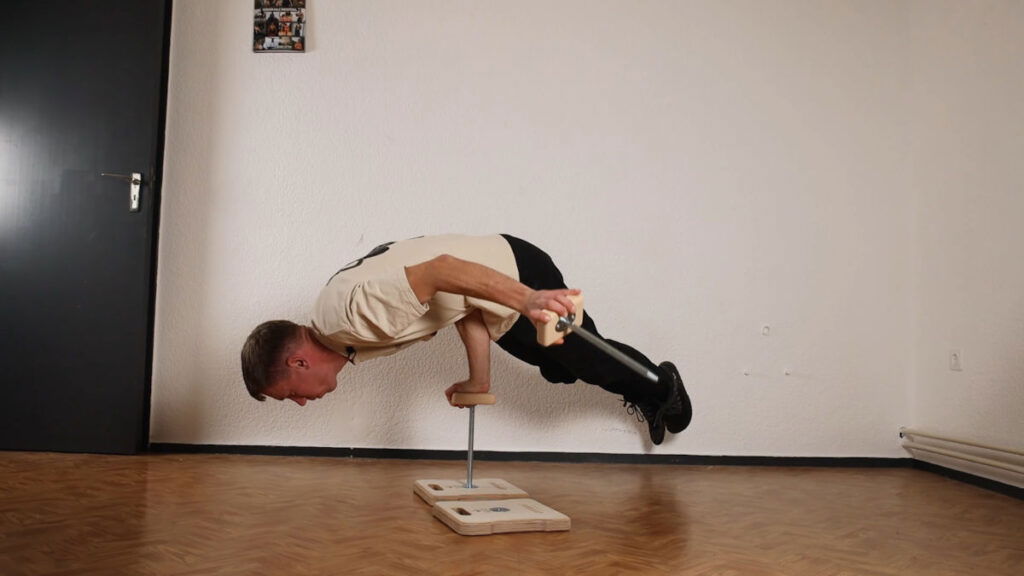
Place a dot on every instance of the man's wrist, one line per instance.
(473, 386)
(524, 299)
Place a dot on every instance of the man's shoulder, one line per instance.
(422, 248)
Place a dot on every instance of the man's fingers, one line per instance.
(563, 299)
(556, 301)
(543, 317)
(559, 302)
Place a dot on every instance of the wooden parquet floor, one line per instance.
(68, 514)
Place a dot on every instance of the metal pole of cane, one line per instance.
(565, 324)
(469, 453)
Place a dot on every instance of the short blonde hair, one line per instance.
(264, 353)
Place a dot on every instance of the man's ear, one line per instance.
(297, 361)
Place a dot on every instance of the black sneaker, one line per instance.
(647, 411)
(677, 410)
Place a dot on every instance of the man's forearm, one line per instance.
(477, 341)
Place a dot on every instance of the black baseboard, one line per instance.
(993, 485)
(592, 457)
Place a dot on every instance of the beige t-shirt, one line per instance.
(370, 308)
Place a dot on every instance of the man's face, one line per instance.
(303, 386)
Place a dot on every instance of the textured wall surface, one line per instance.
(969, 180)
(700, 169)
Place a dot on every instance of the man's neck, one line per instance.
(336, 359)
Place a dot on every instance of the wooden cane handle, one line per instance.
(546, 333)
(471, 399)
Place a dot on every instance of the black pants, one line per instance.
(576, 358)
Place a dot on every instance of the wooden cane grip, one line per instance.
(546, 333)
(471, 399)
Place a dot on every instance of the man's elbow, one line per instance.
(420, 280)
(443, 260)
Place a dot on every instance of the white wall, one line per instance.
(700, 169)
(968, 178)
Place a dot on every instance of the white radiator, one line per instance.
(1004, 465)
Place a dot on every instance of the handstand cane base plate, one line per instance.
(485, 489)
(481, 517)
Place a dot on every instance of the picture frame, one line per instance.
(279, 26)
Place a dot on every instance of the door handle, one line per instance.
(136, 181)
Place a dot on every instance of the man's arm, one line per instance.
(447, 273)
(477, 341)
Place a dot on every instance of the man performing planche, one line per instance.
(492, 288)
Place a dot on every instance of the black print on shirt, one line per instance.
(375, 252)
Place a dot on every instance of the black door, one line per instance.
(81, 93)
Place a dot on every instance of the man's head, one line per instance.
(282, 360)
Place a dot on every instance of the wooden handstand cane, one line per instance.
(433, 491)
(471, 401)
(494, 506)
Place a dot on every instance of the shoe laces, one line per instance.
(643, 411)
(633, 410)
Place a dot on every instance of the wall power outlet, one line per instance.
(956, 360)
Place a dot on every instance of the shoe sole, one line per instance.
(676, 423)
(657, 433)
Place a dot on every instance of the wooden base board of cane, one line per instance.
(432, 491)
(482, 517)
